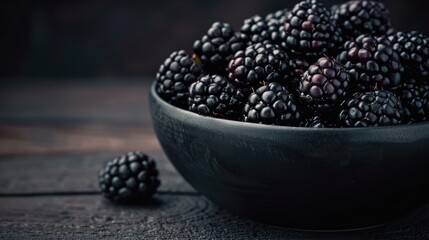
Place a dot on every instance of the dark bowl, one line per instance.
(305, 178)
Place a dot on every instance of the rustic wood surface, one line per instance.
(54, 138)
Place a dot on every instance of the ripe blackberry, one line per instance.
(372, 63)
(259, 64)
(415, 97)
(275, 23)
(213, 95)
(255, 30)
(310, 32)
(259, 30)
(299, 67)
(217, 47)
(272, 104)
(132, 176)
(279, 15)
(174, 77)
(317, 121)
(324, 85)
(413, 48)
(363, 17)
(371, 109)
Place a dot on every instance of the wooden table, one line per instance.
(56, 136)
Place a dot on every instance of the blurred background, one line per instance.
(97, 39)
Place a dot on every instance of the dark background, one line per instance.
(95, 38)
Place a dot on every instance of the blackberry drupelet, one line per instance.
(372, 63)
(259, 64)
(324, 85)
(413, 48)
(415, 97)
(217, 47)
(213, 95)
(363, 17)
(272, 104)
(130, 177)
(371, 109)
(175, 76)
(309, 31)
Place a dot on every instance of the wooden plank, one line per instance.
(72, 138)
(72, 173)
(167, 217)
(106, 101)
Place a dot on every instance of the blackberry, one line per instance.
(217, 47)
(413, 48)
(259, 64)
(255, 30)
(309, 31)
(317, 121)
(363, 17)
(279, 15)
(371, 109)
(324, 85)
(275, 21)
(272, 104)
(259, 30)
(174, 77)
(213, 95)
(130, 177)
(372, 63)
(415, 97)
(299, 67)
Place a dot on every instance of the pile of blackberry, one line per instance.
(307, 65)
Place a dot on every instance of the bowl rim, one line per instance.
(231, 123)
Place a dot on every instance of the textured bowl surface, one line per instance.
(320, 179)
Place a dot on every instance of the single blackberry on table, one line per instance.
(259, 64)
(372, 63)
(415, 97)
(217, 47)
(130, 177)
(213, 95)
(371, 109)
(272, 104)
(309, 31)
(324, 85)
(175, 76)
(413, 48)
(363, 17)
(317, 121)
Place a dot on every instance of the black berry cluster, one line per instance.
(132, 176)
(307, 65)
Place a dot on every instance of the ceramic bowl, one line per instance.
(305, 178)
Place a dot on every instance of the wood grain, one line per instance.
(167, 217)
(76, 100)
(72, 138)
(72, 173)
